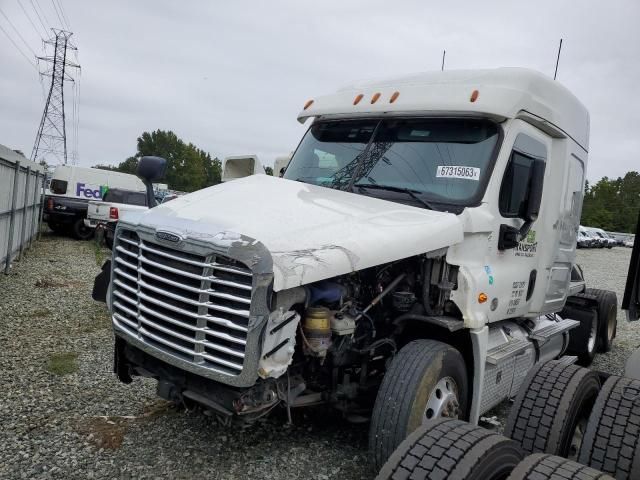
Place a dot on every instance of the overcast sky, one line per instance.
(232, 76)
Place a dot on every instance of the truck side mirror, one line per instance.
(509, 236)
(535, 191)
(151, 169)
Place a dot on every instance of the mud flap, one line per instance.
(120, 364)
(101, 283)
(631, 297)
(631, 301)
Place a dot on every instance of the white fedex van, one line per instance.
(69, 193)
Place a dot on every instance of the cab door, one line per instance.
(517, 269)
(631, 298)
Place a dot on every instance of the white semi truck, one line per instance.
(416, 260)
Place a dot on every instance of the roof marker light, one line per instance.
(357, 99)
(394, 97)
(474, 96)
(375, 97)
(308, 104)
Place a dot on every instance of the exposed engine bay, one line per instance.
(329, 342)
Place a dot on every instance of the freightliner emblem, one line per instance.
(168, 236)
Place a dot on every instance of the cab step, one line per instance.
(506, 350)
(544, 334)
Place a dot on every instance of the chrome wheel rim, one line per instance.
(611, 325)
(443, 400)
(593, 335)
(576, 439)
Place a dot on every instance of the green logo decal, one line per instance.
(531, 236)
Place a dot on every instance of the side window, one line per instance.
(136, 198)
(113, 196)
(516, 182)
(515, 185)
(59, 187)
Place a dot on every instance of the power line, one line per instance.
(39, 18)
(18, 48)
(30, 21)
(43, 15)
(17, 32)
(64, 16)
(55, 9)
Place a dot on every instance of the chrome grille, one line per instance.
(188, 306)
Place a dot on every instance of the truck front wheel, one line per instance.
(426, 380)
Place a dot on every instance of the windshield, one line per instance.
(442, 160)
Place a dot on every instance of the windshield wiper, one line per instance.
(408, 191)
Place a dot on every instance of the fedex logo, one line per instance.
(87, 191)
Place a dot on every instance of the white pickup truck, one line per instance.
(105, 213)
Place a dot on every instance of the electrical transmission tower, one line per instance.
(51, 140)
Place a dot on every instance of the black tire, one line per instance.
(446, 448)
(108, 240)
(57, 228)
(408, 386)
(542, 466)
(81, 231)
(551, 410)
(583, 339)
(607, 317)
(612, 439)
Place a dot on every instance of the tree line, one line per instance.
(188, 167)
(612, 204)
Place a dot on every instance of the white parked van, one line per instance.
(69, 193)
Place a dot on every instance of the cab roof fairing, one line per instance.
(502, 93)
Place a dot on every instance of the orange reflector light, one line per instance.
(482, 298)
(357, 99)
(375, 97)
(474, 96)
(308, 104)
(394, 97)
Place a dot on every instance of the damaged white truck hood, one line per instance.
(313, 233)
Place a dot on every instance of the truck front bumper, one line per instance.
(174, 384)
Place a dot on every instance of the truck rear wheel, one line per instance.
(446, 448)
(607, 316)
(81, 231)
(542, 466)
(612, 439)
(583, 340)
(426, 380)
(551, 410)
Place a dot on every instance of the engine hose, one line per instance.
(375, 301)
(426, 287)
(379, 343)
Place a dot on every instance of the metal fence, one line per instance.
(21, 183)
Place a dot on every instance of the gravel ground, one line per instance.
(80, 422)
